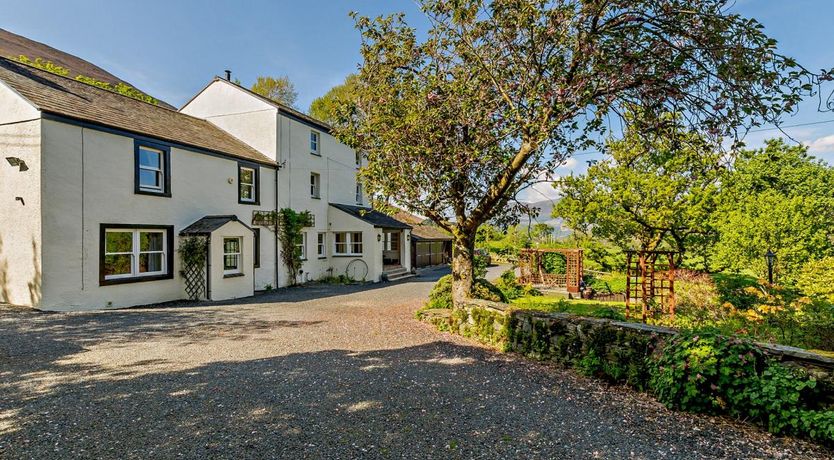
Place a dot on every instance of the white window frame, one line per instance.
(351, 239)
(136, 252)
(253, 185)
(321, 244)
(359, 194)
(303, 245)
(160, 171)
(239, 254)
(315, 185)
(315, 142)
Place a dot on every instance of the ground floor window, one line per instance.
(320, 245)
(135, 253)
(231, 256)
(301, 245)
(348, 243)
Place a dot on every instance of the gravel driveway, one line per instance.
(319, 372)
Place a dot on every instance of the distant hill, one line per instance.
(13, 45)
(545, 217)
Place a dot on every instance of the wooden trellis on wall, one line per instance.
(531, 265)
(650, 280)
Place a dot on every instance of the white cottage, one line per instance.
(97, 190)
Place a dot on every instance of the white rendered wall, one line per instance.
(222, 287)
(20, 219)
(85, 187)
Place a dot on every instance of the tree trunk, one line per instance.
(463, 268)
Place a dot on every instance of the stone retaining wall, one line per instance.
(619, 348)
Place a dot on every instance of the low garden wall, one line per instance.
(785, 389)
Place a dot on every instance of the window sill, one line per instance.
(135, 279)
(252, 203)
(322, 257)
(318, 154)
(232, 275)
(315, 197)
(347, 255)
(151, 193)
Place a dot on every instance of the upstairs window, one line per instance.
(315, 141)
(358, 160)
(315, 185)
(358, 193)
(248, 177)
(152, 169)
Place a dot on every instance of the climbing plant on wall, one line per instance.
(288, 226)
(193, 251)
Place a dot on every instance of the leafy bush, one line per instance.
(441, 294)
(512, 289)
(612, 283)
(553, 262)
(733, 288)
(816, 279)
(705, 372)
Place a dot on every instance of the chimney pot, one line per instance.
(228, 75)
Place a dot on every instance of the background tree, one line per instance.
(501, 91)
(656, 190)
(777, 198)
(279, 89)
(325, 108)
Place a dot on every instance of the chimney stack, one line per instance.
(228, 75)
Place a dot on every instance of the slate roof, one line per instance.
(371, 216)
(422, 229)
(69, 98)
(208, 224)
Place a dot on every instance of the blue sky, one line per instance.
(172, 48)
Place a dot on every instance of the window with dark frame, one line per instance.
(134, 253)
(152, 169)
(248, 181)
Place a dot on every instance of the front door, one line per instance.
(391, 247)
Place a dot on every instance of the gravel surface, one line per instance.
(320, 372)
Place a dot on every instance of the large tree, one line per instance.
(500, 92)
(656, 190)
(279, 89)
(326, 108)
(778, 198)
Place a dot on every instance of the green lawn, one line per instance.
(593, 308)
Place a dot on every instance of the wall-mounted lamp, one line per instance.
(379, 237)
(408, 237)
(17, 163)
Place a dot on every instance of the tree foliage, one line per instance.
(288, 226)
(656, 189)
(500, 91)
(326, 108)
(777, 198)
(279, 89)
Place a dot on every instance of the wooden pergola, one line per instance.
(530, 262)
(650, 280)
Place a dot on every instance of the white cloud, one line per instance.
(570, 163)
(823, 144)
(542, 190)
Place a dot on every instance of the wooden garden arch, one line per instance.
(650, 280)
(530, 263)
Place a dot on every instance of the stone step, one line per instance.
(400, 276)
(396, 271)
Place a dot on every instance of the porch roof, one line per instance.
(208, 224)
(371, 216)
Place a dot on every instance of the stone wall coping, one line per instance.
(791, 353)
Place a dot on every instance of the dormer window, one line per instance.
(315, 143)
(248, 177)
(152, 164)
